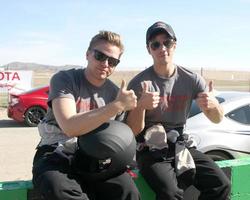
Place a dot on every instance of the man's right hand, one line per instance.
(149, 100)
(126, 98)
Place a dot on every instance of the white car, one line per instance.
(231, 137)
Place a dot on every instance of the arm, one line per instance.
(210, 105)
(76, 124)
(135, 119)
(147, 101)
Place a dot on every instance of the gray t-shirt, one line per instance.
(74, 85)
(176, 95)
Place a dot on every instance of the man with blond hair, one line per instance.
(80, 100)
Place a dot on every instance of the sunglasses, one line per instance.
(103, 57)
(167, 43)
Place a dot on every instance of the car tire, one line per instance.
(34, 115)
(219, 155)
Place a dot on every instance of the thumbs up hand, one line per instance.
(210, 86)
(207, 100)
(126, 98)
(149, 100)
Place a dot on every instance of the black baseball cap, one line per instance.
(159, 27)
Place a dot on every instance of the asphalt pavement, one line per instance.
(17, 148)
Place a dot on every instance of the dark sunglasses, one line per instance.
(103, 57)
(167, 43)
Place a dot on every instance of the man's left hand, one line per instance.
(207, 100)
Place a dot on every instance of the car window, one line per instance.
(196, 110)
(241, 115)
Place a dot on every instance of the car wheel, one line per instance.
(34, 115)
(219, 155)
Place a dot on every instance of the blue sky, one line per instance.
(212, 34)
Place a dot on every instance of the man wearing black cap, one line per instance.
(166, 157)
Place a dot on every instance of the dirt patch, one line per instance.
(3, 113)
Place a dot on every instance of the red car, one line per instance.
(30, 106)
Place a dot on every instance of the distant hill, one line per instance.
(223, 80)
(36, 67)
(207, 73)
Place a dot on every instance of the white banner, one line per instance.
(15, 81)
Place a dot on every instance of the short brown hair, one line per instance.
(108, 36)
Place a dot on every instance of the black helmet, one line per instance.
(109, 149)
